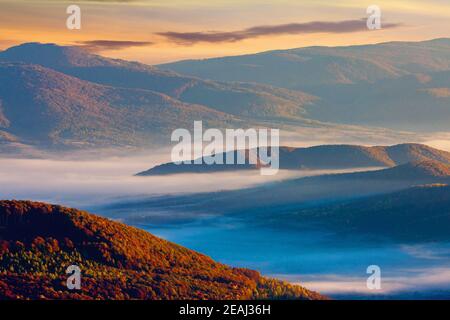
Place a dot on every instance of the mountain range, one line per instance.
(38, 241)
(43, 106)
(133, 80)
(319, 157)
(52, 95)
(65, 97)
(310, 67)
(400, 85)
(408, 202)
(264, 203)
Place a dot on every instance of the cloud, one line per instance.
(426, 252)
(345, 26)
(102, 45)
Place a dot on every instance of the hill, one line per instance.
(409, 202)
(40, 106)
(39, 241)
(246, 100)
(418, 170)
(261, 202)
(420, 213)
(398, 85)
(322, 157)
(312, 67)
(312, 88)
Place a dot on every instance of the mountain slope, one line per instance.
(397, 85)
(320, 66)
(248, 100)
(323, 157)
(427, 169)
(45, 107)
(418, 214)
(411, 102)
(260, 203)
(39, 241)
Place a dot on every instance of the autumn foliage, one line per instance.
(39, 241)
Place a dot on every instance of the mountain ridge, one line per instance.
(232, 98)
(416, 214)
(42, 106)
(372, 54)
(420, 92)
(38, 241)
(322, 157)
(285, 196)
(384, 85)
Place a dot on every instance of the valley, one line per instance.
(297, 227)
(364, 174)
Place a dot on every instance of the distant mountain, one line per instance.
(39, 241)
(416, 102)
(322, 66)
(413, 170)
(399, 85)
(395, 85)
(321, 157)
(246, 100)
(40, 106)
(259, 203)
(418, 214)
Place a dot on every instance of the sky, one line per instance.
(158, 31)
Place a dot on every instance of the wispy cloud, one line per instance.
(102, 45)
(345, 26)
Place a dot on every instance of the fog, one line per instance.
(84, 180)
(331, 264)
(79, 182)
(96, 177)
(407, 281)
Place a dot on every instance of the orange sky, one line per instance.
(143, 21)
